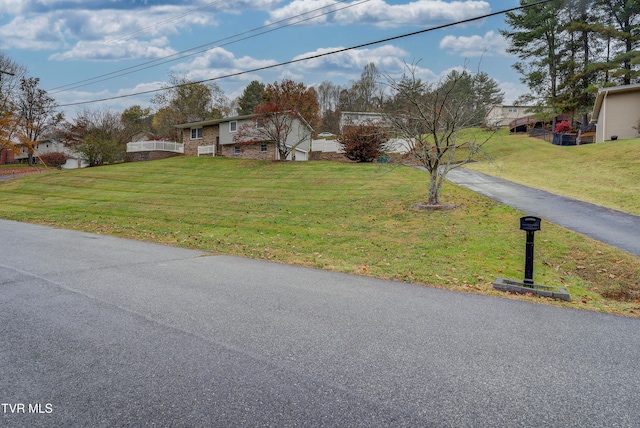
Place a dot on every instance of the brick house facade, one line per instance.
(218, 135)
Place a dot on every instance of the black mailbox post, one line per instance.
(529, 224)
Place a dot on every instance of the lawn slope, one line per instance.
(353, 218)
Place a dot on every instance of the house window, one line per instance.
(233, 126)
(260, 123)
(196, 133)
(263, 148)
(236, 150)
(513, 110)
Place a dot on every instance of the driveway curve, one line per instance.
(612, 227)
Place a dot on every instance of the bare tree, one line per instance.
(430, 118)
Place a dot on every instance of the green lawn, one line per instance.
(606, 174)
(354, 218)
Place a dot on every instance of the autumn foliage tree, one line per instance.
(284, 117)
(183, 100)
(37, 114)
(98, 136)
(364, 142)
(11, 75)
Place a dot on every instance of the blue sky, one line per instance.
(139, 42)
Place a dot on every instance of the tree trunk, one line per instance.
(434, 189)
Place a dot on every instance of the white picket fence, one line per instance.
(148, 146)
(207, 150)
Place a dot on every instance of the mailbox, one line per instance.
(530, 223)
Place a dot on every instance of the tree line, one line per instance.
(28, 114)
(569, 49)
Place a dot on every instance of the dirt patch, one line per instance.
(17, 171)
(428, 207)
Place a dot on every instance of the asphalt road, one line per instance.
(612, 227)
(99, 331)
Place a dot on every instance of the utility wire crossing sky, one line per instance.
(118, 53)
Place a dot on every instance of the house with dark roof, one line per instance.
(216, 138)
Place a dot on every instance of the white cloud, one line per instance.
(512, 91)
(491, 44)
(13, 7)
(120, 50)
(118, 104)
(59, 28)
(220, 62)
(31, 34)
(381, 14)
(388, 59)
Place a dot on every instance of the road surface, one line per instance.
(99, 331)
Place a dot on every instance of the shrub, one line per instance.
(364, 142)
(562, 127)
(54, 159)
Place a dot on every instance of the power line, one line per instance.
(308, 58)
(187, 53)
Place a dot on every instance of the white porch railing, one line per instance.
(207, 150)
(147, 146)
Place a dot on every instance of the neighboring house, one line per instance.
(355, 118)
(215, 137)
(616, 113)
(51, 145)
(503, 115)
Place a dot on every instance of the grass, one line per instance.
(606, 174)
(353, 218)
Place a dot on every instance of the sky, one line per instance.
(88, 50)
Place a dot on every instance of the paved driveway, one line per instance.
(99, 331)
(612, 227)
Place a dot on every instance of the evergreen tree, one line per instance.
(250, 98)
(479, 91)
(534, 38)
(622, 34)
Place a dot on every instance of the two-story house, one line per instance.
(216, 137)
